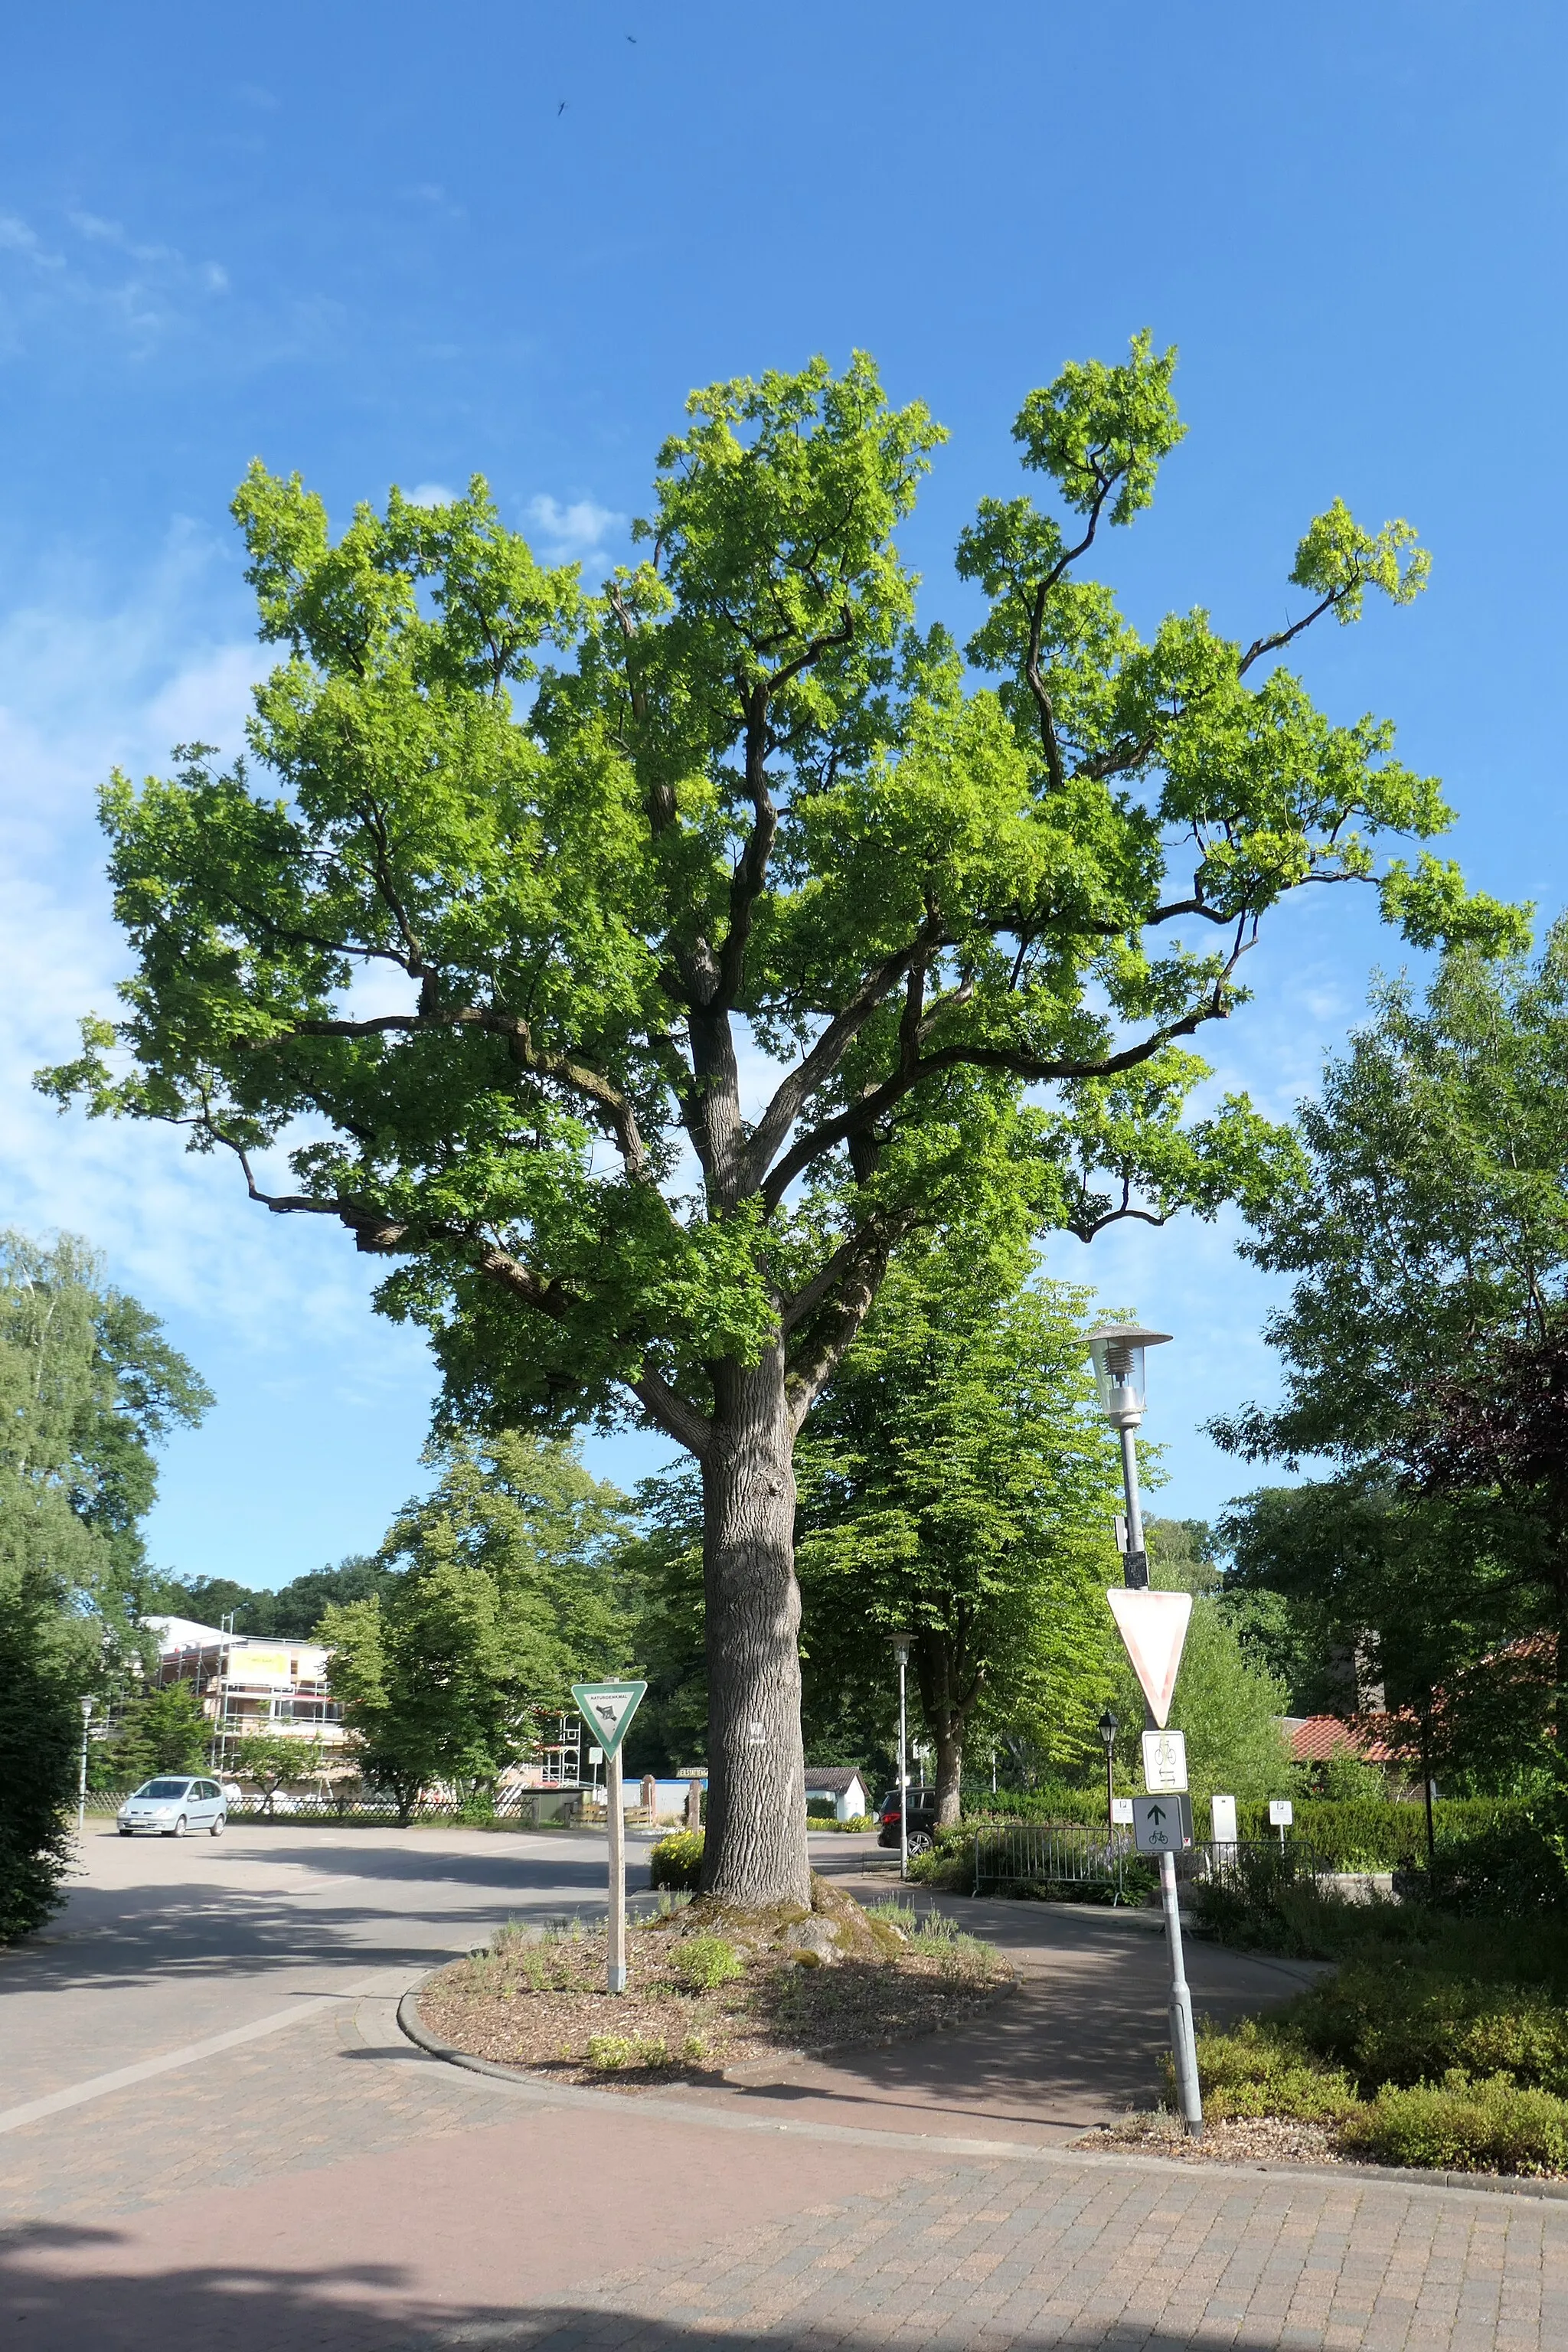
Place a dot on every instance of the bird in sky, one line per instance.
(561, 109)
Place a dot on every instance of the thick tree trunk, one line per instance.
(940, 1672)
(755, 1851)
(950, 1772)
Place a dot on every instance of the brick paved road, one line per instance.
(327, 2185)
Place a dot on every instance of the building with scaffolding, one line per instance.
(251, 1683)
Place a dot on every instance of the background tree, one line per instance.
(164, 1730)
(433, 1681)
(41, 1735)
(88, 1386)
(1227, 1701)
(270, 1759)
(552, 1540)
(1428, 1233)
(954, 1480)
(739, 799)
(291, 1613)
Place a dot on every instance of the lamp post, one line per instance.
(1118, 1350)
(1109, 1723)
(900, 1643)
(86, 1706)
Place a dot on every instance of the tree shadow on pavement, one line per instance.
(60, 2291)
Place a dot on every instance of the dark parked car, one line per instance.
(923, 1819)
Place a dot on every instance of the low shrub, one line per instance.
(610, 2053)
(1462, 2124)
(676, 1861)
(1509, 1869)
(704, 1962)
(1389, 2020)
(1258, 2072)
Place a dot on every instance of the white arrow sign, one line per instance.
(607, 1709)
(1152, 1626)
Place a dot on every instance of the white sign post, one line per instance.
(1281, 1813)
(1153, 1628)
(1222, 1820)
(607, 1709)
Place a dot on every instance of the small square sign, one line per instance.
(1121, 1812)
(1165, 1763)
(1281, 1813)
(1162, 1824)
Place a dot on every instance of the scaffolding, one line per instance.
(561, 1751)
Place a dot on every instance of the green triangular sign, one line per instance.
(607, 1709)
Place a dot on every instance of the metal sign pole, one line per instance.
(1184, 2046)
(615, 1965)
(903, 1779)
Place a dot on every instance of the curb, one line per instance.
(571, 2095)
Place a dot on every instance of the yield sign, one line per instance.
(1152, 1626)
(607, 1709)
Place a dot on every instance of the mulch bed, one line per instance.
(1239, 2139)
(804, 1982)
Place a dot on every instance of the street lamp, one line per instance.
(86, 1706)
(902, 1643)
(1109, 1723)
(1118, 1350)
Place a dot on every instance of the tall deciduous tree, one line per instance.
(1423, 1349)
(88, 1386)
(592, 851)
(954, 1482)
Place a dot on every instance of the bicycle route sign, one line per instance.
(1162, 1824)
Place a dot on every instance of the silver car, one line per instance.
(171, 1804)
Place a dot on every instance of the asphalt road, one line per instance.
(166, 1943)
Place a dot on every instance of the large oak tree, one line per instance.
(535, 876)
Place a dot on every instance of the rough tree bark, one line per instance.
(947, 1699)
(756, 1795)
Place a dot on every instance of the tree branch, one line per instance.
(1261, 646)
(612, 1110)
(818, 1066)
(858, 1282)
(871, 1105)
(675, 1416)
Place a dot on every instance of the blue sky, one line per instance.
(368, 243)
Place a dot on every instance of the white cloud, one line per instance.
(430, 494)
(85, 271)
(572, 531)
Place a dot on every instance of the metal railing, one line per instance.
(1067, 1854)
(1053, 1853)
(528, 1807)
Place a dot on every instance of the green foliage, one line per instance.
(1460, 2126)
(1428, 1236)
(1256, 2072)
(271, 1759)
(40, 1738)
(165, 1730)
(514, 1584)
(291, 1613)
(612, 2053)
(1440, 2043)
(974, 928)
(553, 1542)
(704, 1963)
(89, 1388)
(954, 1481)
(676, 1861)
